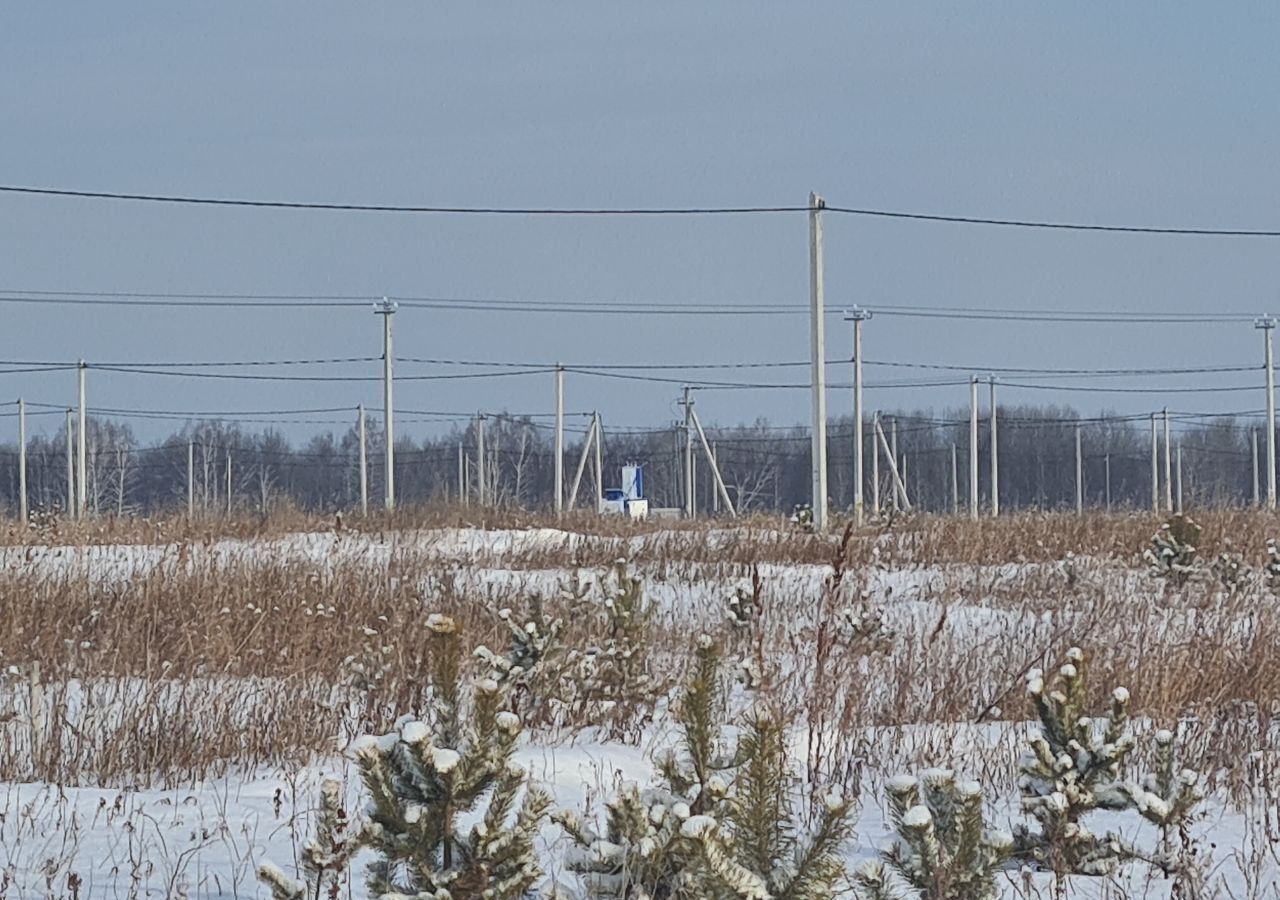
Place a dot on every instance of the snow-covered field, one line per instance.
(204, 836)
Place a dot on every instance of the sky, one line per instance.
(1145, 113)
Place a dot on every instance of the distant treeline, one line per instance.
(765, 467)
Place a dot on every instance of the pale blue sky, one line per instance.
(1134, 113)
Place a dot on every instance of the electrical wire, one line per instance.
(1041, 224)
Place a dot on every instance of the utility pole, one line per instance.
(364, 461)
(818, 359)
(462, 474)
(191, 479)
(687, 403)
(387, 309)
(1079, 474)
(1179, 478)
(559, 441)
(995, 455)
(1155, 467)
(1106, 466)
(857, 316)
(1268, 325)
(875, 465)
(72, 509)
(481, 490)
(715, 495)
(973, 447)
(1168, 465)
(22, 462)
(955, 480)
(599, 466)
(82, 469)
(1253, 440)
(229, 483)
(893, 455)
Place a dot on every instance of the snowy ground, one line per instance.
(206, 840)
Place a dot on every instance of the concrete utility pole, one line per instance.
(1253, 440)
(973, 447)
(229, 490)
(1179, 478)
(893, 455)
(995, 455)
(82, 467)
(462, 474)
(715, 495)
(1168, 465)
(387, 309)
(364, 461)
(599, 461)
(559, 441)
(955, 480)
(857, 316)
(687, 403)
(481, 488)
(1155, 467)
(191, 479)
(875, 465)
(22, 462)
(72, 509)
(1079, 474)
(818, 361)
(1106, 467)
(715, 470)
(1268, 325)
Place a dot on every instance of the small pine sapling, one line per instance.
(1073, 766)
(1167, 798)
(719, 824)
(609, 680)
(422, 777)
(325, 857)
(529, 669)
(1272, 570)
(944, 851)
(1173, 554)
(643, 850)
(763, 838)
(1229, 569)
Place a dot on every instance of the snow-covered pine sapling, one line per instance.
(643, 851)
(1272, 570)
(608, 680)
(1073, 766)
(761, 844)
(1173, 551)
(529, 668)
(1166, 797)
(943, 851)
(707, 830)
(325, 857)
(426, 775)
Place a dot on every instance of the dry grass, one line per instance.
(272, 649)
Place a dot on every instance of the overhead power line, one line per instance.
(603, 307)
(1041, 224)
